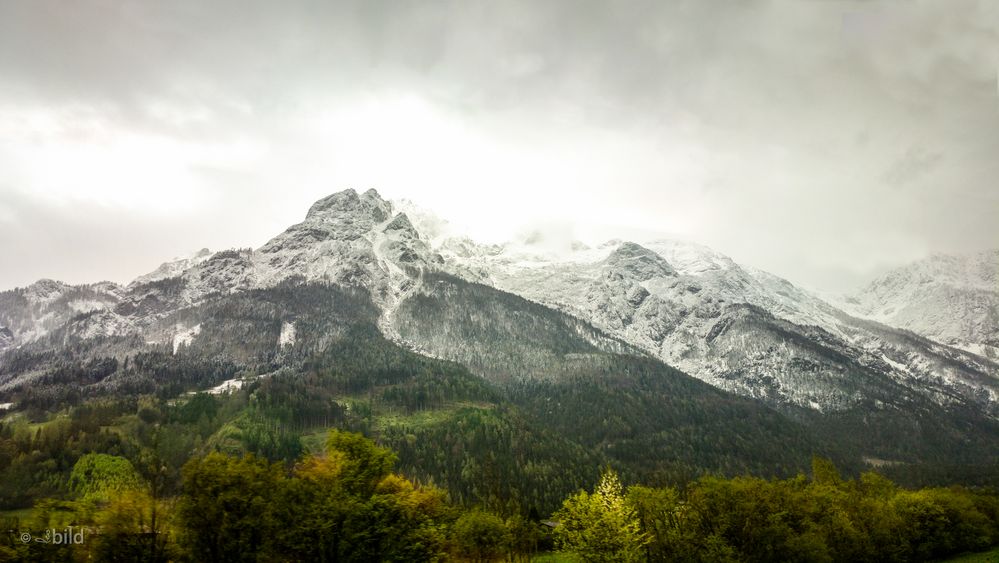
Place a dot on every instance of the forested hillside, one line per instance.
(518, 442)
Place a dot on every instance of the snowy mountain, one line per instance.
(951, 299)
(347, 239)
(739, 329)
(32, 312)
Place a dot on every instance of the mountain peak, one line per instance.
(348, 202)
(344, 199)
(45, 290)
(345, 204)
(642, 262)
(690, 258)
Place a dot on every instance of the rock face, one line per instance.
(740, 329)
(951, 299)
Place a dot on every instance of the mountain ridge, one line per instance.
(680, 302)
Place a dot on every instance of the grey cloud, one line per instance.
(78, 243)
(804, 113)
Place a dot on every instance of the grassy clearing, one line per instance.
(315, 440)
(416, 420)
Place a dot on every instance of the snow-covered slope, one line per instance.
(32, 312)
(175, 267)
(346, 238)
(741, 329)
(951, 299)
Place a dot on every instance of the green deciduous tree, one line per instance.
(345, 505)
(227, 506)
(98, 477)
(480, 536)
(133, 528)
(600, 526)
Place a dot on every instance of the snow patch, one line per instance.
(287, 337)
(900, 367)
(235, 384)
(87, 305)
(6, 406)
(227, 386)
(185, 337)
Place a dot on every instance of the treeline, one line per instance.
(825, 518)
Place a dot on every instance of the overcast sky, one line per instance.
(824, 141)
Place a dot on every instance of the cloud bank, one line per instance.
(823, 141)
